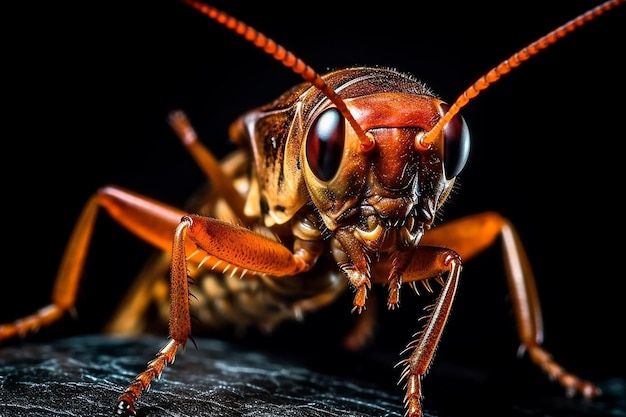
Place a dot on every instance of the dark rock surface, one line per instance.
(83, 375)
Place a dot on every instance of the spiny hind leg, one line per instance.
(470, 236)
(144, 217)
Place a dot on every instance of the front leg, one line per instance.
(232, 248)
(428, 262)
(471, 235)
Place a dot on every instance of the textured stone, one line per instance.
(83, 375)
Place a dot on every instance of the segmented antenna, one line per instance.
(424, 141)
(287, 58)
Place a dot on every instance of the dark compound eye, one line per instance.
(456, 145)
(324, 145)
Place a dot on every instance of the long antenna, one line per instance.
(287, 58)
(424, 141)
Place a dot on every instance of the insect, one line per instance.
(360, 284)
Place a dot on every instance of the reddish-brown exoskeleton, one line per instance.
(353, 165)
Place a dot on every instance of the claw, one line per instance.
(125, 409)
(359, 299)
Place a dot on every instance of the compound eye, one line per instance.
(456, 147)
(324, 144)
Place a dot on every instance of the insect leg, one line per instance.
(469, 236)
(433, 262)
(233, 248)
(148, 219)
(220, 181)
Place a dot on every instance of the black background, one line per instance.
(88, 88)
